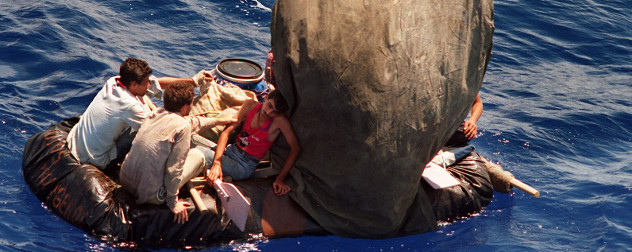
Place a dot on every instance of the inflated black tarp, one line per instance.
(87, 198)
(474, 192)
(91, 200)
(375, 88)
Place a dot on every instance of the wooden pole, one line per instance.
(196, 198)
(515, 182)
(522, 186)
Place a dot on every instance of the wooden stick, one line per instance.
(196, 198)
(526, 188)
(516, 183)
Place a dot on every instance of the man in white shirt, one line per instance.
(121, 104)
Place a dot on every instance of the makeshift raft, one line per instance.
(93, 201)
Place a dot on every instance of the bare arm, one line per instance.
(158, 85)
(165, 82)
(201, 124)
(279, 186)
(477, 108)
(470, 128)
(215, 171)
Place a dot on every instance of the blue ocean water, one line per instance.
(557, 95)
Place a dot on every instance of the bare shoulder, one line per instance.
(250, 104)
(246, 108)
(281, 122)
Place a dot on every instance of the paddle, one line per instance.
(235, 204)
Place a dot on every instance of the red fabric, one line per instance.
(254, 141)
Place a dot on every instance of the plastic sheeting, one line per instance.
(87, 198)
(91, 200)
(375, 88)
(474, 191)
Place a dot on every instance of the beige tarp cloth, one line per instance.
(375, 88)
(215, 100)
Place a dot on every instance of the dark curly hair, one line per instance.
(279, 101)
(133, 69)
